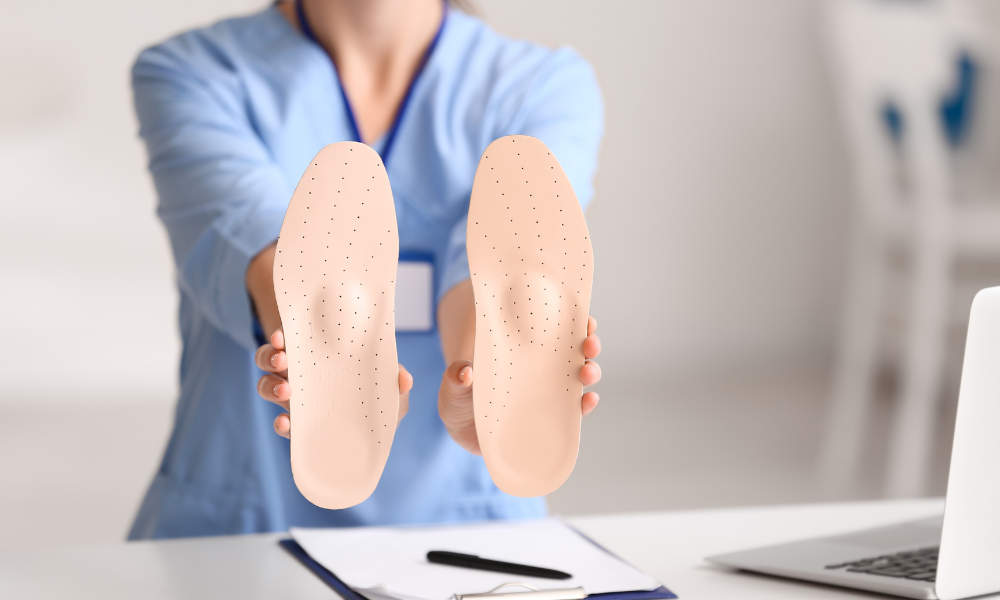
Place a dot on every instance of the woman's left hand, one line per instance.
(455, 395)
(273, 386)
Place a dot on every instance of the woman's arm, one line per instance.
(221, 196)
(271, 357)
(222, 199)
(260, 285)
(456, 318)
(274, 387)
(564, 109)
(457, 323)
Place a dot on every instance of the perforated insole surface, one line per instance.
(334, 275)
(532, 270)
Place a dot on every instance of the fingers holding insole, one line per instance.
(283, 425)
(405, 380)
(334, 280)
(270, 360)
(592, 346)
(405, 385)
(278, 339)
(532, 270)
(590, 373)
(274, 389)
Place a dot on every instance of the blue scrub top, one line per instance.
(231, 115)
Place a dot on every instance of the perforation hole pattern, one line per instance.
(334, 276)
(532, 270)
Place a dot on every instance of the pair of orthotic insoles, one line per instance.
(334, 278)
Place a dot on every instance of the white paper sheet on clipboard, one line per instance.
(386, 563)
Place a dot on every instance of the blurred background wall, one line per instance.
(719, 220)
(719, 225)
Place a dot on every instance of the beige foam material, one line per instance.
(532, 269)
(334, 279)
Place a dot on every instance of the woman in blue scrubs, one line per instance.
(231, 115)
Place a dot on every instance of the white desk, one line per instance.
(667, 545)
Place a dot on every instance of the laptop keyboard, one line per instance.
(919, 565)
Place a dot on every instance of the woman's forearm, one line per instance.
(260, 285)
(457, 326)
(456, 316)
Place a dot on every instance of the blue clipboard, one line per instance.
(345, 592)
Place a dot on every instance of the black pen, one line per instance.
(471, 561)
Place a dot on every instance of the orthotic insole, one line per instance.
(532, 268)
(334, 279)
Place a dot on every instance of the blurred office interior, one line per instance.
(729, 202)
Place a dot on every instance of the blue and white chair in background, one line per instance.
(907, 75)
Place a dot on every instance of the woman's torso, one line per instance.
(225, 471)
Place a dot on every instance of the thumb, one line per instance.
(457, 380)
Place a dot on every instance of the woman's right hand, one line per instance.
(274, 387)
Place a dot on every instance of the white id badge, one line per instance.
(414, 294)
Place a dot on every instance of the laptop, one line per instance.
(949, 556)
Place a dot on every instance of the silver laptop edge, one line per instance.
(968, 534)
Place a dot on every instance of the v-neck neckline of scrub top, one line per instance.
(389, 137)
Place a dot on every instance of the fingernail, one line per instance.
(276, 388)
(462, 374)
(274, 360)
